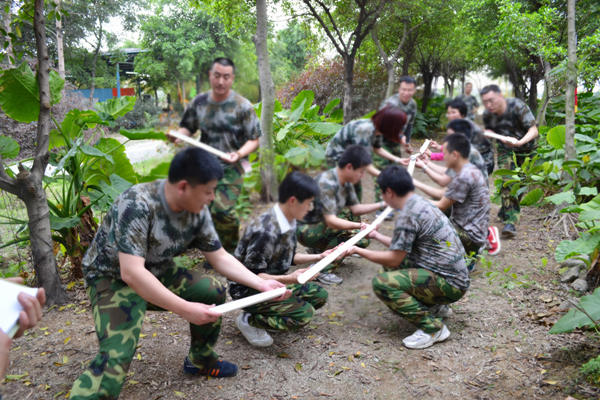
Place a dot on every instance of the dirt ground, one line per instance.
(499, 347)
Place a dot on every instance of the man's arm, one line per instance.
(360, 209)
(436, 193)
(372, 170)
(380, 151)
(387, 258)
(532, 133)
(435, 172)
(138, 278)
(444, 203)
(335, 222)
(243, 151)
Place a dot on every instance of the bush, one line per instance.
(144, 115)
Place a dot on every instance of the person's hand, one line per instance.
(404, 161)
(294, 275)
(373, 233)
(173, 139)
(435, 146)
(199, 313)
(421, 164)
(511, 144)
(233, 158)
(270, 284)
(32, 310)
(5, 342)
(351, 250)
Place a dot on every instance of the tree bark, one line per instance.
(348, 88)
(6, 18)
(541, 115)
(59, 42)
(391, 60)
(34, 195)
(95, 61)
(267, 91)
(571, 82)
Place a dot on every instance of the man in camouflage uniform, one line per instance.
(129, 268)
(470, 101)
(322, 228)
(403, 100)
(509, 117)
(424, 265)
(227, 121)
(467, 195)
(457, 109)
(268, 248)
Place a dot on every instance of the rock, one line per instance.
(573, 262)
(583, 271)
(565, 305)
(580, 285)
(571, 274)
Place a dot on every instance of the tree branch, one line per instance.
(315, 14)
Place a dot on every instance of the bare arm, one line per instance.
(436, 173)
(360, 209)
(243, 151)
(444, 203)
(531, 134)
(387, 258)
(436, 193)
(380, 151)
(335, 222)
(380, 237)
(372, 170)
(302, 258)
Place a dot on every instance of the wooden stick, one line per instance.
(250, 300)
(197, 143)
(500, 137)
(319, 266)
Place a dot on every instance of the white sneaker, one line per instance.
(422, 340)
(441, 310)
(255, 336)
(329, 279)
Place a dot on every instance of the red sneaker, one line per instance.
(493, 241)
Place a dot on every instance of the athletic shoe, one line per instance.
(329, 279)
(422, 340)
(493, 241)
(509, 231)
(389, 217)
(220, 369)
(255, 336)
(441, 310)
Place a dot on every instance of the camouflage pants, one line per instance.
(488, 159)
(222, 209)
(118, 316)
(289, 314)
(320, 238)
(410, 292)
(471, 247)
(380, 162)
(510, 209)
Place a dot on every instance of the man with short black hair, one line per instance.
(509, 117)
(322, 228)
(268, 248)
(403, 100)
(424, 264)
(226, 121)
(470, 101)
(129, 267)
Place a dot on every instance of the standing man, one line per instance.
(227, 122)
(509, 117)
(403, 100)
(470, 101)
(129, 268)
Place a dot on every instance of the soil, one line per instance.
(499, 347)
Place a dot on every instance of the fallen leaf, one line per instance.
(67, 340)
(298, 367)
(550, 382)
(179, 394)
(283, 355)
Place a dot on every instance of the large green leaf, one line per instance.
(19, 93)
(532, 197)
(560, 198)
(585, 244)
(303, 100)
(576, 319)
(297, 112)
(9, 148)
(112, 109)
(94, 152)
(556, 137)
(122, 166)
(59, 223)
(158, 172)
(142, 134)
(325, 128)
(330, 106)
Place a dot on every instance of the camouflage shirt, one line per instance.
(409, 108)
(481, 143)
(476, 159)
(472, 103)
(360, 131)
(430, 241)
(515, 122)
(332, 197)
(226, 125)
(141, 223)
(267, 246)
(471, 208)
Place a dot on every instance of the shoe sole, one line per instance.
(498, 242)
(256, 344)
(508, 234)
(438, 340)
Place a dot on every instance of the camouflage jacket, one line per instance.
(477, 160)
(430, 241)
(410, 109)
(267, 246)
(481, 143)
(141, 223)
(471, 208)
(360, 131)
(332, 197)
(472, 103)
(226, 125)
(515, 122)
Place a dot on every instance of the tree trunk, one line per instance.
(95, 61)
(6, 18)
(571, 82)
(267, 90)
(541, 116)
(427, 82)
(348, 87)
(391, 81)
(34, 195)
(59, 42)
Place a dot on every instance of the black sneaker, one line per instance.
(509, 231)
(220, 369)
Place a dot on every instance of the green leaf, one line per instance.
(325, 128)
(112, 109)
(585, 244)
(94, 152)
(19, 97)
(504, 172)
(282, 133)
(142, 134)
(330, 106)
(576, 319)
(560, 198)
(556, 137)
(588, 191)
(532, 197)
(122, 166)
(297, 113)
(59, 223)
(9, 148)
(158, 172)
(56, 86)
(303, 100)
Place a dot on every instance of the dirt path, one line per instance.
(499, 347)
